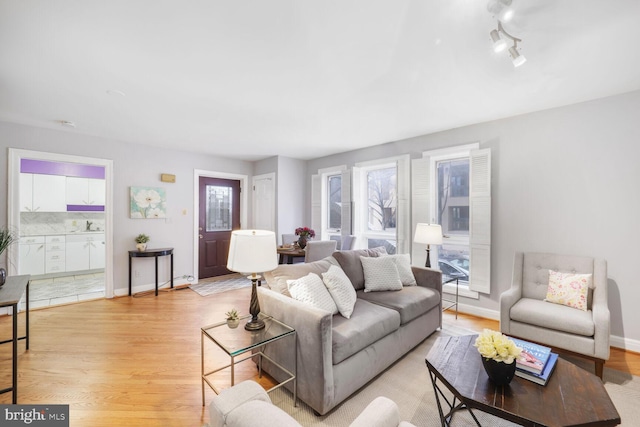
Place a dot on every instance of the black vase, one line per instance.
(499, 373)
(302, 242)
(3, 276)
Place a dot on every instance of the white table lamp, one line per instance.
(252, 251)
(429, 234)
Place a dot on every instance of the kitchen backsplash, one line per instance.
(47, 223)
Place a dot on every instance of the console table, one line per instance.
(10, 294)
(151, 253)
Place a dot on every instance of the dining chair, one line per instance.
(319, 249)
(348, 242)
(288, 239)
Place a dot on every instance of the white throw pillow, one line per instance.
(380, 274)
(403, 263)
(311, 290)
(341, 289)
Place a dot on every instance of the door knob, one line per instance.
(200, 235)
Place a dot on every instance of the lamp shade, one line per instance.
(252, 251)
(430, 234)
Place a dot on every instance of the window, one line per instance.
(331, 203)
(452, 187)
(379, 218)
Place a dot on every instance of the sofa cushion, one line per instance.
(311, 290)
(553, 316)
(380, 274)
(352, 266)
(368, 323)
(411, 302)
(277, 279)
(341, 290)
(256, 412)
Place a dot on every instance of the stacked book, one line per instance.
(536, 362)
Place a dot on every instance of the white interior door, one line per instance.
(264, 202)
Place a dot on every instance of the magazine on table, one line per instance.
(534, 356)
(544, 376)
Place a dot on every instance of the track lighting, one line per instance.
(500, 44)
(516, 58)
(501, 9)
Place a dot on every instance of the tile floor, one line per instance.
(64, 290)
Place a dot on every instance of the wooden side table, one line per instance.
(10, 294)
(151, 253)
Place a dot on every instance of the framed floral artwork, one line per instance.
(148, 202)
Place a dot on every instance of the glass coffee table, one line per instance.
(237, 342)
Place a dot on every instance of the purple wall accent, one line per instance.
(46, 167)
(85, 208)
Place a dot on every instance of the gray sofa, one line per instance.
(337, 356)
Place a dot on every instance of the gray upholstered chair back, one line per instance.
(348, 242)
(288, 239)
(533, 271)
(319, 249)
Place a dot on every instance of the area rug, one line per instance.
(206, 287)
(407, 383)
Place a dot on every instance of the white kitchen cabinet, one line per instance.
(85, 191)
(47, 193)
(85, 251)
(55, 254)
(32, 255)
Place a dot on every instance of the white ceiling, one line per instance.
(251, 79)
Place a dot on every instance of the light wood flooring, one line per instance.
(136, 361)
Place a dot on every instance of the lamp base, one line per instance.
(254, 325)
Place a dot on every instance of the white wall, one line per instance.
(134, 165)
(564, 181)
(293, 206)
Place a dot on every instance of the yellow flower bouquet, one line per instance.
(496, 346)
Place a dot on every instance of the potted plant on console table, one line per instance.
(141, 242)
(305, 234)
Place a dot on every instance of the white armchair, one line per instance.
(247, 405)
(524, 313)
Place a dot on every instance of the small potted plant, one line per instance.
(6, 239)
(233, 318)
(141, 242)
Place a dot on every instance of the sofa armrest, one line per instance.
(233, 398)
(381, 412)
(314, 345)
(428, 277)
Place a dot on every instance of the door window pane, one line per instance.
(219, 208)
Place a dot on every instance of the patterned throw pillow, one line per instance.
(380, 274)
(403, 263)
(341, 289)
(311, 290)
(569, 289)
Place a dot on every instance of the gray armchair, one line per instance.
(524, 313)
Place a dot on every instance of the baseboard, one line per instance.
(150, 287)
(615, 341)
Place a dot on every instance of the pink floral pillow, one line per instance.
(569, 289)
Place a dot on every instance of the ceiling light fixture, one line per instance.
(500, 44)
(501, 9)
